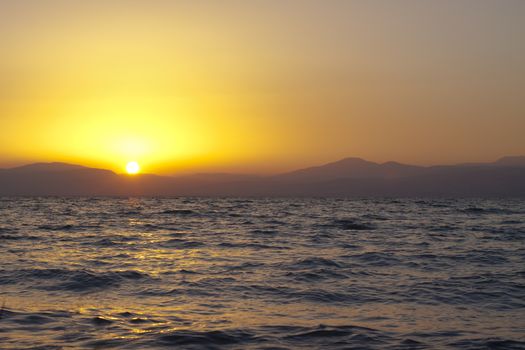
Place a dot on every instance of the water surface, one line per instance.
(193, 273)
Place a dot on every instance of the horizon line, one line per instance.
(465, 163)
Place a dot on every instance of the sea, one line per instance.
(262, 273)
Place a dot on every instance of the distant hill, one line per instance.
(351, 168)
(46, 167)
(349, 177)
(43, 179)
(511, 161)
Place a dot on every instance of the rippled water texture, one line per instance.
(261, 273)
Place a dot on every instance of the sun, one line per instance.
(132, 168)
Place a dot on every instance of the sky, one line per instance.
(260, 86)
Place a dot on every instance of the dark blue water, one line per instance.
(261, 274)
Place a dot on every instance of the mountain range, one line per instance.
(349, 177)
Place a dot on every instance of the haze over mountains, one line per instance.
(349, 177)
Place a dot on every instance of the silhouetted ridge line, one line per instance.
(349, 177)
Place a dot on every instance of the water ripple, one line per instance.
(267, 273)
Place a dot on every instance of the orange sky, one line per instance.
(260, 86)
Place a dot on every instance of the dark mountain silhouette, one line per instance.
(511, 161)
(58, 179)
(349, 177)
(351, 168)
(47, 167)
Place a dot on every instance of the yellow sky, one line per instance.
(259, 86)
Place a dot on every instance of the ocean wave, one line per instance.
(351, 225)
(480, 211)
(369, 216)
(205, 339)
(261, 274)
(8, 230)
(314, 262)
(181, 244)
(491, 293)
(56, 227)
(316, 275)
(142, 331)
(512, 222)
(377, 258)
(130, 212)
(243, 245)
(68, 227)
(264, 232)
(104, 242)
(72, 280)
(180, 212)
(488, 343)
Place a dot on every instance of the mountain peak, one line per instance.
(353, 160)
(352, 168)
(511, 161)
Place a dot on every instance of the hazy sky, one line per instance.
(260, 85)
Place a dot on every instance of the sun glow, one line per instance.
(132, 168)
